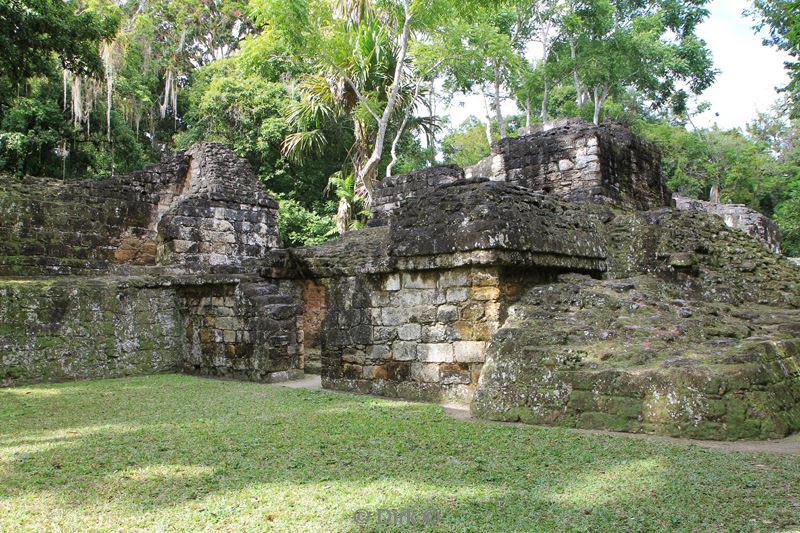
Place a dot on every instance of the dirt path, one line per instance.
(789, 446)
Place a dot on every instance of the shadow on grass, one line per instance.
(187, 451)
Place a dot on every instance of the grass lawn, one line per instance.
(183, 453)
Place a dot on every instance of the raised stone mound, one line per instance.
(394, 190)
(634, 355)
(694, 333)
(737, 216)
(225, 216)
(702, 256)
(616, 313)
(51, 226)
(168, 262)
(484, 215)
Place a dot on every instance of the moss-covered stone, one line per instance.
(659, 364)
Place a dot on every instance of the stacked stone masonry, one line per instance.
(68, 328)
(580, 161)
(249, 331)
(550, 284)
(201, 207)
(416, 335)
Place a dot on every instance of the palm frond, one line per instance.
(297, 146)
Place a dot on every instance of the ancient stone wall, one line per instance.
(416, 335)
(739, 217)
(631, 359)
(580, 161)
(50, 226)
(252, 330)
(225, 218)
(203, 207)
(201, 211)
(530, 306)
(408, 310)
(393, 190)
(71, 328)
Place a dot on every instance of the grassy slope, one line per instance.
(175, 452)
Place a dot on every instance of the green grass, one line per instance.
(183, 453)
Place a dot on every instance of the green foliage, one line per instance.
(466, 145)
(245, 111)
(299, 226)
(782, 19)
(608, 46)
(32, 30)
(759, 168)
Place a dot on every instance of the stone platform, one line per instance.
(560, 288)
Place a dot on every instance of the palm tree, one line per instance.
(330, 97)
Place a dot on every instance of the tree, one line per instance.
(487, 49)
(547, 21)
(466, 145)
(650, 45)
(782, 19)
(32, 30)
(365, 78)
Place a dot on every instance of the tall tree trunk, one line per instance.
(431, 132)
(545, 97)
(364, 178)
(408, 112)
(528, 114)
(600, 96)
(501, 123)
(578, 88)
(546, 92)
(360, 156)
(488, 119)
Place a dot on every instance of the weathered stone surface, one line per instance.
(409, 341)
(634, 360)
(580, 161)
(533, 307)
(49, 226)
(701, 255)
(244, 330)
(223, 218)
(482, 215)
(202, 208)
(396, 189)
(739, 217)
(72, 328)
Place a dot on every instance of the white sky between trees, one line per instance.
(749, 72)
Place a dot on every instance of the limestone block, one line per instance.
(469, 351)
(425, 373)
(435, 353)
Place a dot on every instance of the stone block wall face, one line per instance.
(580, 161)
(226, 218)
(749, 401)
(739, 217)
(314, 312)
(392, 191)
(50, 226)
(414, 335)
(201, 208)
(86, 329)
(250, 331)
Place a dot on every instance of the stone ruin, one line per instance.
(552, 284)
(737, 216)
